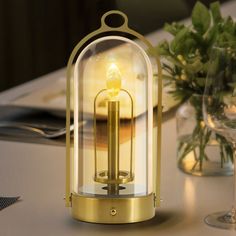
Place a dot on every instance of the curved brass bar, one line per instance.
(132, 130)
(96, 174)
(124, 177)
(95, 128)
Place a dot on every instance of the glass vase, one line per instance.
(200, 151)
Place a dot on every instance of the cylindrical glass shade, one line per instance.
(113, 120)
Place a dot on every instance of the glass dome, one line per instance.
(112, 98)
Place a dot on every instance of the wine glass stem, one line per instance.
(234, 180)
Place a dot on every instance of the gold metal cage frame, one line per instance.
(69, 197)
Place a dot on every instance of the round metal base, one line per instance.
(113, 210)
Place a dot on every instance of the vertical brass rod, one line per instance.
(68, 137)
(159, 134)
(113, 140)
(131, 132)
(113, 144)
(95, 137)
(95, 131)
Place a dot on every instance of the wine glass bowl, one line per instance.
(219, 112)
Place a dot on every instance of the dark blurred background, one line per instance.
(37, 36)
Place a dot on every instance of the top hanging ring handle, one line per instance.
(104, 25)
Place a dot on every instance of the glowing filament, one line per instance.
(113, 81)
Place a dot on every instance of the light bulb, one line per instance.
(113, 81)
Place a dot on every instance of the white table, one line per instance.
(37, 173)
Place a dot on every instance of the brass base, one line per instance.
(113, 210)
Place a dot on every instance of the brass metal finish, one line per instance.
(123, 177)
(113, 146)
(131, 131)
(113, 139)
(113, 210)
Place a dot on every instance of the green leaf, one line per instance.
(184, 43)
(201, 18)
(225, 37)
(201, 81)
(177, 44)
(163, 48)
(190, 46)
(229, 25)
(195, 66)
(169, 28)
(173, 28)
(205, 67)
(215, 11)
(211, 36)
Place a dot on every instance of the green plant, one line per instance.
(187, 54)
(185, 65)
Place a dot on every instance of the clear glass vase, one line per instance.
(200, 151)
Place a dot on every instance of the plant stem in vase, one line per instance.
(200, 151)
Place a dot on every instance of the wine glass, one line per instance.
(219, 111)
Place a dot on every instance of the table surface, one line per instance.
(36, 172)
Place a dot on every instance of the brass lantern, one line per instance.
(114, 108)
